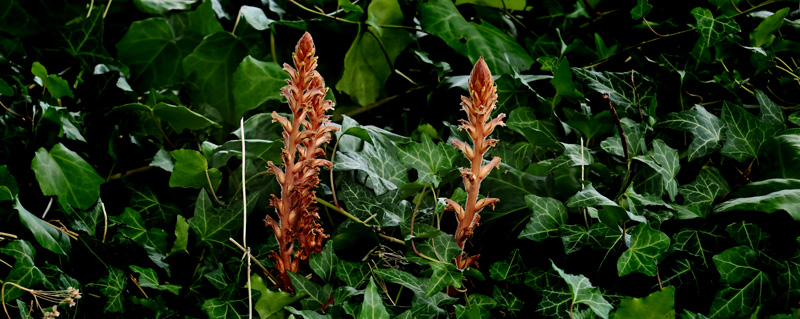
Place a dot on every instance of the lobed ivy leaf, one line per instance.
(628, 91)
(375, 165)
(664, 160)
(646, 247)
(704, 190)
(507, 301)
(539, 133)
(215, 225)
(641, 9)
(583, 292)
(181, 236)
(149, 279)
(133, 227)
(316, 295)
(112, 286)
(430, 160)
(256, 82)
(555, 302)
(744, 133)
(763, 35)
(191, 171)
(324, 263)
(444, 275)
(162, 6)
(769, 112)
(748, 234)
(64, 173)
(147, 203)
(270, 304)
(84, 220)
(24, 272)
(219, 309)
(209, 71)
(659, 304)
(150, 49)
(690, 241)
(712, 30)
(352, 273)
(548, 215)
(705, 127)
(746, 286)
(634, 133)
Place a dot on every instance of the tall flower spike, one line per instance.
(479, 107)
(298, 230)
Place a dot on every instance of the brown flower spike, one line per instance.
(479, 107)
(298, 232)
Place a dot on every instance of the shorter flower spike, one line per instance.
(479, 106)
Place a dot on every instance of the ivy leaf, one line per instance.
(429, 307)
(573, 237)
(46, 235)
(763, 35)
(589, 197)
(689, 241)
(366, 68)
(548, 215)
(376, 166)
(352, 273)
(180, 118)
(133, 227)
(150, 50)
(708, 186)
(444, 275)
(373, 307)
(781, 152)
(149, 279)
(8, 185)
(255, 17)
(216, 225)
(508, 269)
(317, 295)
(219, 309)
(746, 286)
(64, 173)
(706, 129)
(511, 5)
(784, 200)
(554, 303)
(628, 91)
(147, 203)
(181, 235)
(112, 287)
(562, 80)
(770, 113)
(634, 133)
(24, 272)
(646, 247)
(256, 82)
(507, 301)
(539, 133)
(430, 160)
(660, 304)
(664, 160)
(744, 133)
(209, 70)
(323, 263)
(501, 53)
(191, 171)
(270, 304)
(583, 292)
(442, 247)
(712, 30)
(748, 234)
(641, 9)
(160, 7)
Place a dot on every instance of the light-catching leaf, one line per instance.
(548, 215)
(112, 287)
(746, 285)
(628, 91)
(151, 51)
(584, 293)
(744, 133)
(149, 279)
(191, 171)
(215, 225)
(46, 235)
(270, 304)
(373, 307)
(444, 275)
(500, 4)
(132, 226)
(646, 247)
(375, 165)
(708, 186)
(705, 127)
(24, 272)
(64, 173)
(162, 6)
(712, 31)
(323, 263)
(783, 200)
(430, 160)
(317, 295)
(256, 82)
(660, 304)
(664, 160)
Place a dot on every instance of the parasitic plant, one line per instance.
(297, 230)
(479, 107)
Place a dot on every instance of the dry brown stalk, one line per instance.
(479, 107)
(302, 157)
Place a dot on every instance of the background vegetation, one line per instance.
(649, 163)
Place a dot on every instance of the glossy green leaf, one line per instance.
(46, 235)
(373, 307)
(23, 272)
(584, 293)
(748, 234)
(366, 68)
(641, 9)
(747, 286)
(84, 220)
(149, 279)
(634, 133)
(744, 133)
(781, 154)
(352, 273)
(501, 53)
(509, 269)
(705, 127)
(376, 166)
(191, 171)
(150, 207)
(704, 190)
(58, 87)
(270, 304)
(539, 133)
(317, 295)
(664, 160)
(770, 112)
(784, 200)
(255, 17)
(763, 35)
(324, 263)
(132, 226)
(500, 4)
(209, 70)
(692, 242)
(181, 236)
(628, 91)
(562, 80)
(150, 50)
(429, 159)
(589, 197)
(256, 82)
(646, 247)
(548, 215)
(180, 118)
(112, 287)
(507, 300)
(660, 304)
(215, 225)
(162, 6)
(444, 275)
(712, 30)
(8, 185)
(64, 173)
(219, 309)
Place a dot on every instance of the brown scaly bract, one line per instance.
(302, 159)
(479, 109)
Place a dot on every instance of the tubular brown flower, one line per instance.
(297, 230)
(479, 107)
